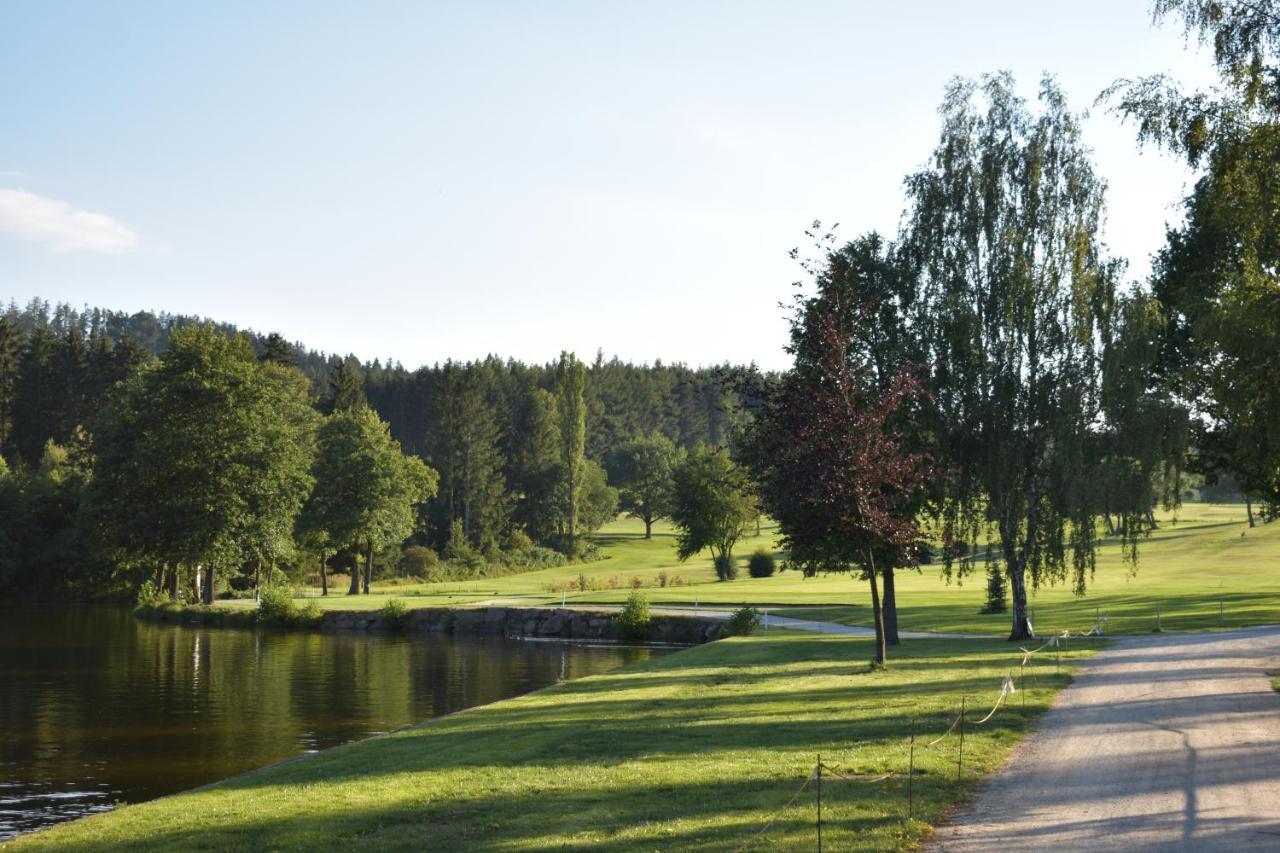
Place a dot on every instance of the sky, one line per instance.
(422, 181)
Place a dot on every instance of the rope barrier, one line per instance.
(1005, 689)
(778, 813)
(951, 728)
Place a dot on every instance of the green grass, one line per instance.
(1185, 568)
(697, 750)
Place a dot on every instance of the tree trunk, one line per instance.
(324, 576)
(1111, 528)
(368, 568)
(876, 612)
(1022, 628)
(648, 527)
(257, 580)
(171, 580)
(208, 584)
(890, 608)
(1151, 520)
(354, 589)
(1248, 508)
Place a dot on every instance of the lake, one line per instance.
(97, 709)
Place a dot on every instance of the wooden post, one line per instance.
(819, 772)
(911, 772)
(960, 757)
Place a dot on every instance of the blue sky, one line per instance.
(421, 181)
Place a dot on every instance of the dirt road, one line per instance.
(1170, 742)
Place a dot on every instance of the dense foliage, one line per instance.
(1218, 277)
(74, 394)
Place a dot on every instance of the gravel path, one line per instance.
(1169, 742)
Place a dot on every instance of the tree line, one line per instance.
(522, 459)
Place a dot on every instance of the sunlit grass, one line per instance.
(1189, 568)
(697, 751)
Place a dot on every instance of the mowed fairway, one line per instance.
(700, 750)
(1185, 568)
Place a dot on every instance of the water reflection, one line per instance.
(97, 709)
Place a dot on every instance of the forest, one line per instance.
(492, 433)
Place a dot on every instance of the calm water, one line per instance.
(97, 709)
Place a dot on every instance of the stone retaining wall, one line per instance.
(527, 622)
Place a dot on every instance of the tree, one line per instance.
(1003, 231)
(345, 391)
(643, 469)
(599, 503)
(830, 468)
(276, 350)
(1216, 279)
(571, 381)
(286, 448)
(465, 449)
(713, 504)
(533, 461)
(366, 490)
(194, 465)
(10, 348)
(868, 276)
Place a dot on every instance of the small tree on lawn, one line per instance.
(830, 468)
(713, 505)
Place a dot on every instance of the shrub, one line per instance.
(744, 621)
(538, 557)
(726, 570)
(394, 615)
(633, 622)
(761, 564)
(150, 595)
(275, 606)
(663, 578)
(418, 561)
(519, 542)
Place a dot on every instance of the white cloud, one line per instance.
(59, 227)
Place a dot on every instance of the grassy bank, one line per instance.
(698, 750)
(1206, 555)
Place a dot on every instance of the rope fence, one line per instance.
(1008, 687)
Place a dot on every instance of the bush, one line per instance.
(150, 595)
(761, 564)
(394, 615)
(519, 542)
(633, 622)
(726, 569)
(275, 606)
(418, 561)
(744, 621)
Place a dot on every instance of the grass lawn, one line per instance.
(1185, 568)
(697, 750)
